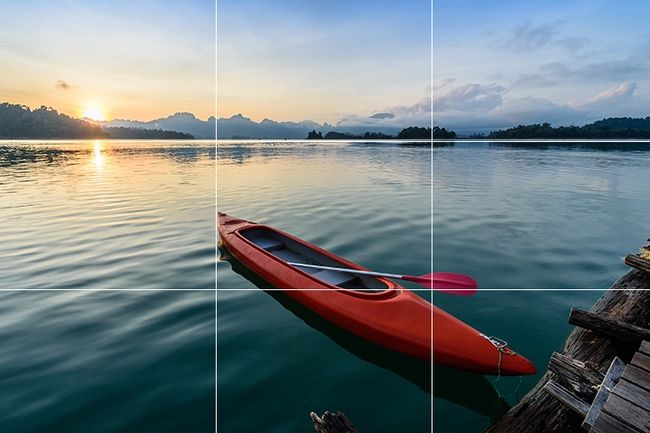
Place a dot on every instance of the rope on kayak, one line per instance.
(502, 347)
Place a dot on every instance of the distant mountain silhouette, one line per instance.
(181, 122)
(239, 126)
(19, 121)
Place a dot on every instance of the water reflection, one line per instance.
(107, 214)
(97, 154)
(11, 154)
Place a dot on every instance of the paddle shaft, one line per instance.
(349, 271)
(454, 284)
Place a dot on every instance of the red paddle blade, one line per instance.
(453, 284)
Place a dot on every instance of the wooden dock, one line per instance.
(622, 399)
(616, 327)
(627, 407)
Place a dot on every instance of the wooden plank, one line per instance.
(645, 347)
(637, 376)
(607, 326)
(642, 361)
(612, 377)
(581, 377)
(633, 393)
(565, 396)
(332, 422)
(630, 413)
(606, 423)
(637, 262)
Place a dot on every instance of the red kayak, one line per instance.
(374, 308)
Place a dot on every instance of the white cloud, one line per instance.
(474, 106)
(417, 114)
(467, 97)
(614, 95)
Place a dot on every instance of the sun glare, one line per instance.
(94, 113)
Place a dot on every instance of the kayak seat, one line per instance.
(334, 278)
(269, 244)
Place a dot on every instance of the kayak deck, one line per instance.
(289, 250)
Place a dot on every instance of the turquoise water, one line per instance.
(540, 215)
(107, 361)
(368, 202)
(107, 214)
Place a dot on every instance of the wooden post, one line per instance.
(582, 377)
(638, 263)
(332, 423)
(563, 395)
(611, 378)
(608, 326)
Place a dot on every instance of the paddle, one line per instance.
(453, 284)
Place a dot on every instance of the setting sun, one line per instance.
(94, 113)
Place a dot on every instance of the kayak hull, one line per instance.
(392, 316)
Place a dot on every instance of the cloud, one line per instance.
(526, 37)
(467, 97)
(398, 116)
(559, 73)
(607, 98)
(383, 116)
(461, 115)
(60, 84)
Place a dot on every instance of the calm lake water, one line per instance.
(369, 202)
(107, 361)
(107, 214)
(540, 215)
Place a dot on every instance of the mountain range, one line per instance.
(179, 122)
(239, 126)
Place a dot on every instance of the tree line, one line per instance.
(609, 128)
(613, 127)
(410, 133)
(21, 122)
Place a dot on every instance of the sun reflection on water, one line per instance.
(97, 154)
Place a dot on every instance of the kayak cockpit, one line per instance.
(290, 250)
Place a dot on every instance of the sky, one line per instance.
(500, 63)
(125, 59)
(336, 61)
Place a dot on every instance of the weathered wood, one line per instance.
(539, 412)
(641, 360)
(332, 423)
(632, 393)
(637, 262)
(581, 377)
(608, 424)
(565, 396)
(631, 414)
(645, 347)
(608, 326)
(611, 378)
(637, 376)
